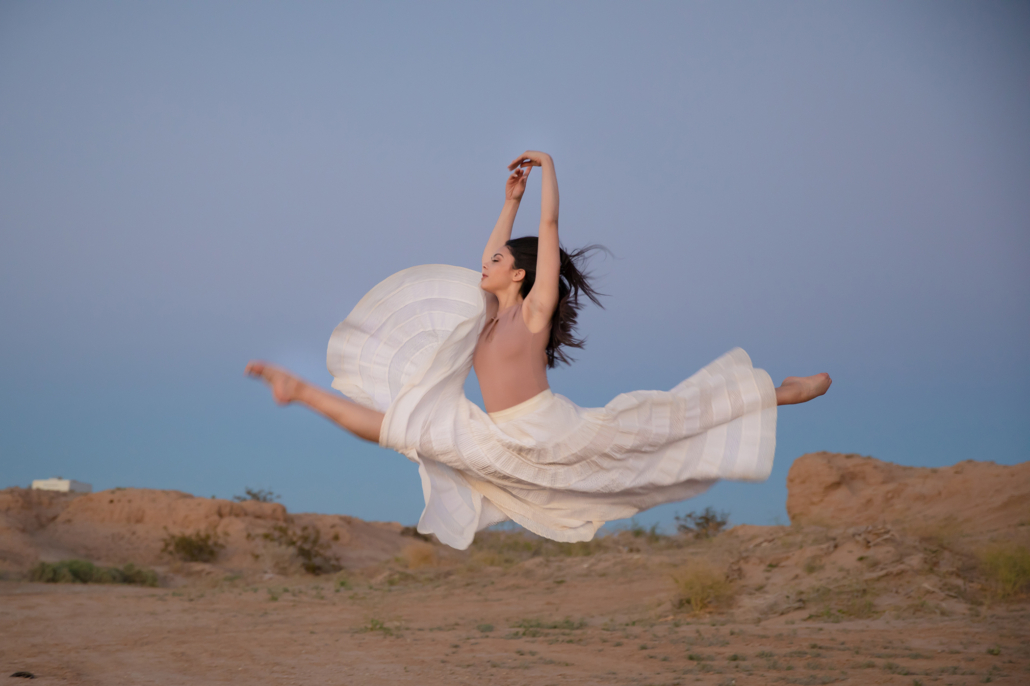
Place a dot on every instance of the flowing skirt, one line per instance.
(557, 469)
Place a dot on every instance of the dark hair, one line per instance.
(572, 281)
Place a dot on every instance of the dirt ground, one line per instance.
(603, 619)
(888, 575)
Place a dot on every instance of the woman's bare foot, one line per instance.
(285, 387)
(801, 389)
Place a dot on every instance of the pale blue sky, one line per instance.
(839, 187)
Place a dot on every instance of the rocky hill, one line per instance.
(974, 498)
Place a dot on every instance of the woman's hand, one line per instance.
(516, 184)
(530, 158)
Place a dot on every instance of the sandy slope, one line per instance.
(895, 599)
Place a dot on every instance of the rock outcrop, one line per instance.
(834, 490)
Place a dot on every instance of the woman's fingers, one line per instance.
(529, 158)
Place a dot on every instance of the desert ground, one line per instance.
(886, 575)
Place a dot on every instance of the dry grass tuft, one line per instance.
(702, 587)
(1006, 567)
(419, 555)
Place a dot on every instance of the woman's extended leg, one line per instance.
(801, 389)
(286, 388)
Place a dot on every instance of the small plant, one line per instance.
(260, 495)
(195, 547)
(702, 588)
(705, 525)
(308, 544)
(1007, 568)
(377, 625)
(84, 572)
(649, 534)
(485, 628)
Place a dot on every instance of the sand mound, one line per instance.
(976, 500)
(834, 490)
(125, 525)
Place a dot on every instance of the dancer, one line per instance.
(402, 356)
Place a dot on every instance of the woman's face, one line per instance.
(499, 272)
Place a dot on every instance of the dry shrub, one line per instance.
(314, 554)
(707, 524)
(702, 587)
(419, 555)
(1007, 569)
(260, 495)
(195, 547)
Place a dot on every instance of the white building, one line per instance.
(59, 484)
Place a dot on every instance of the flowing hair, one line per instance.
(572, 282)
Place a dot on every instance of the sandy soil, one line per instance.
(494, 626)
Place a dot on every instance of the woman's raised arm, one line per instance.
(513, 191)
(543, 298)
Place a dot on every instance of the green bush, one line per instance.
(85, 572)
(195, 547)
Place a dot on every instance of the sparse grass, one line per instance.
(195, 547)
(702, 587)
(850, 602)
(533, 628)
(1007, 570)
(507, 548)
(308, 545)
(85, 572)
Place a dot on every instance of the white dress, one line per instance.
(557, 469)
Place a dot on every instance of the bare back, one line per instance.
(510, 360)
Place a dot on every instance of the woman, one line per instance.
(559, 470)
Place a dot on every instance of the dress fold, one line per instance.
(559, 470)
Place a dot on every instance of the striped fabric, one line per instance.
(557, 469)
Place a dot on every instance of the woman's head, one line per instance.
(500, 273)
(516, 263)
